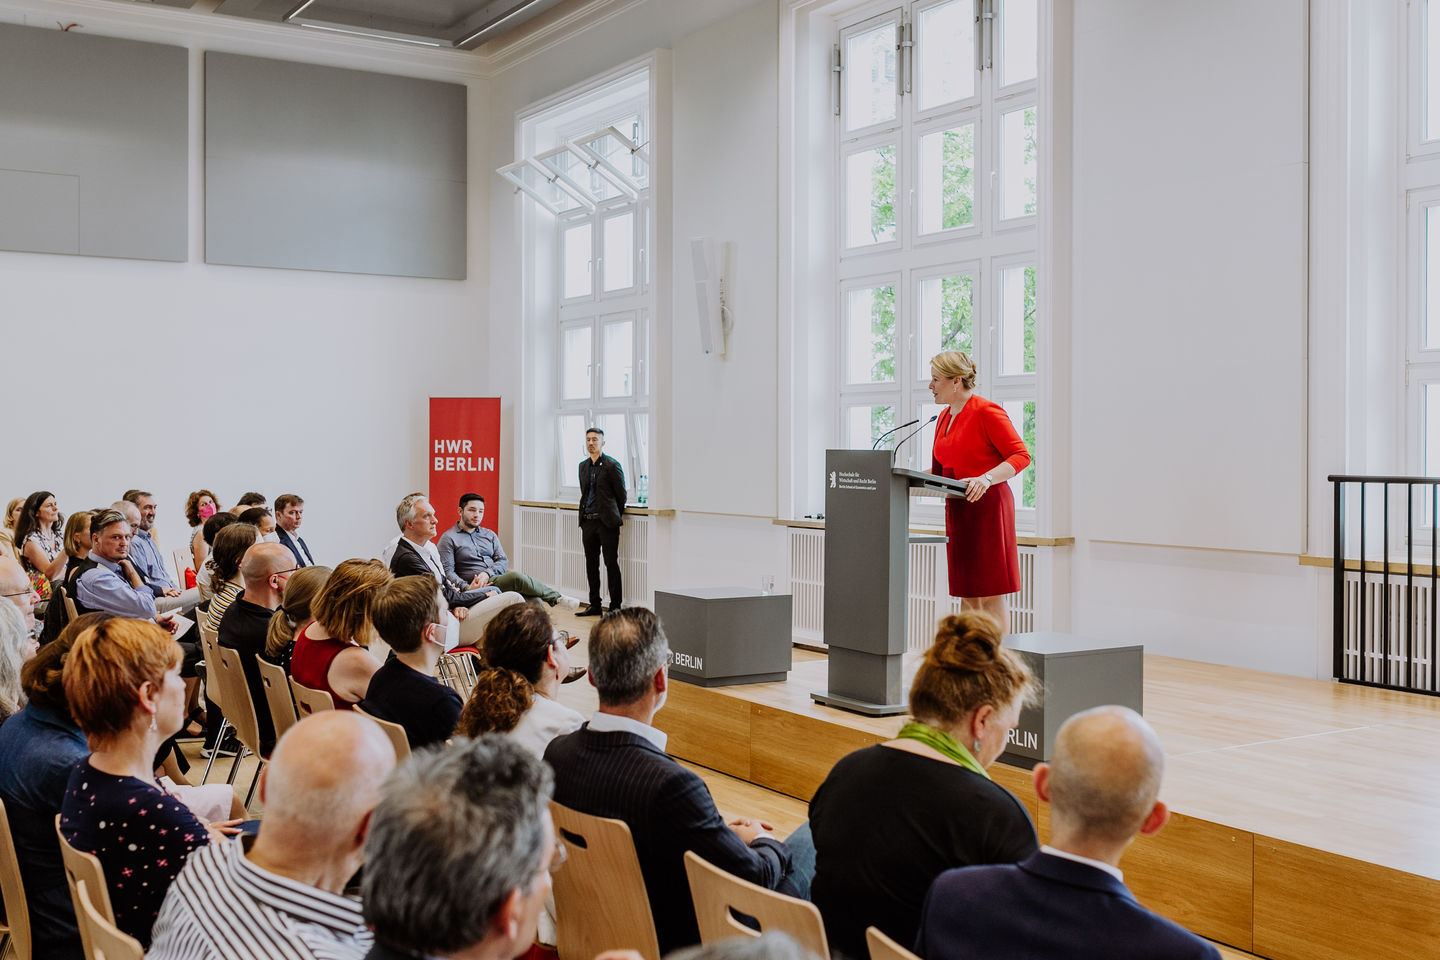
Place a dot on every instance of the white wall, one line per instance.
(175, 376)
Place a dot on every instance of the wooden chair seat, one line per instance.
(883, 947)
(82, 866)
(719, 895)
(103, 940)
(279, 700)
(308, 701)
(399, 739)
(600, 900)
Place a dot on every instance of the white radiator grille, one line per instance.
(929, 591)
(551, 551)
(1375, 649)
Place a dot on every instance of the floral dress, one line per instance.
(50, 545)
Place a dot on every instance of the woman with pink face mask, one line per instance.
(199, 507)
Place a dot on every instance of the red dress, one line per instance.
(310, 665)
(983, 560)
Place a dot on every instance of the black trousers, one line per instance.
(596, 537)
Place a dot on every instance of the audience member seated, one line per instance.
(16, 589)
(224, 563)
(460, 852)
(515, 693)
(39, 537)
(200, 506)
(39, 748)
(105, 580)
(1069, 900)
(148, 561)
(264, 520)
(7, 527)
(615, 766)
(410, 616)
(77, 548)
(247, 500)
(122, 681)
(472, 558)
(246, 623)
(890, 818)
(289, 514)
(293, 614)
(17, 645)
(331, 653)
(388, 551)
(208, 532)
(281, 893)
(415, 554)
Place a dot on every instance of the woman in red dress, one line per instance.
(976, 442)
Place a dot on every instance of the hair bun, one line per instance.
(968, 641)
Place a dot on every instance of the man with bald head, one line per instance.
(264, 570)
(1069, 900)
(15, 588)
(281, 894)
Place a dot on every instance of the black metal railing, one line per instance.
(1394, 646)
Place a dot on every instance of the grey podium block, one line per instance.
(1075, 674)
(726, 635)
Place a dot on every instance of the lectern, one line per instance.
(867, 573)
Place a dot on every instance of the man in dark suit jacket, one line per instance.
(615, 766)
(602, 508)
(1069, 900)
(289, 512)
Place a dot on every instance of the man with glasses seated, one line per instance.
(15, 586)
(410, 616)
(264, 570)
(139, 509)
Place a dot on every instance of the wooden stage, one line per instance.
(1306, 813)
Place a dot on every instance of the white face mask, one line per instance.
(271, 537)
(451, 639)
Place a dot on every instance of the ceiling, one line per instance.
(447, 24)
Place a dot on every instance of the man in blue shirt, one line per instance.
(139, 510)
(474, 560)
(107, 580)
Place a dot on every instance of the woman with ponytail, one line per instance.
(890, 818)
(293, 614)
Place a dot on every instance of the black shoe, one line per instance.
(614, 607)
(575, 674)
(594, 610)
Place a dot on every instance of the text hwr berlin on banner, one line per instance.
(464, 455)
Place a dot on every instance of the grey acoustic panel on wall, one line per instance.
(319, 168)
(93, 145)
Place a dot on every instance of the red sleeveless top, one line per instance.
(310, 664)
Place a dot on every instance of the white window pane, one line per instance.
(1019, 40)
(641, 443)
(575, 353)
(618, 359)
(870, 197)
(870, 334)
(572, 448)
(921, 449)
(870, 89)
(1432, 76)
(1017, 163)
(864, 424)
(619, 239)
(946, 314)
(947, 179)
(577, 251)
(1017, 320)
(1432, 276)
(1432, 430)
(1022, 414)
(945, 53)
(616, 442)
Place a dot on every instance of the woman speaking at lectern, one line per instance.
(976, 442)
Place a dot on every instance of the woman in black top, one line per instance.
(890, 818)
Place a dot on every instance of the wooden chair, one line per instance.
(278, 696)
(308, 701)
(240, 711)
(71, 612)
(101, 937)
(719, 896)
(85, 866)
(182, 560)
(15, 931)
(883, 947)
(399, 739)
(600, 900)
(209, 643)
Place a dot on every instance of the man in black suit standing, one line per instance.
(289, 512)
(602, 505)
(615, 766)
(1069, 900)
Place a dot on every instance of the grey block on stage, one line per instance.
(726, 635)
(1075, 674)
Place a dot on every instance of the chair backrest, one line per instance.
(399, 739)
(600, 901)
(84, 866)
(17, 912)
(182, 563)
(71, 611)
(102, 938)
(308, 700)
(209, 641)
(239, 705)
(883, 947)
(717, 893)
(277, 694)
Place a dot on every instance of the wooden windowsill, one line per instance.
(632, 509)
(1396, 565)
(1021, 539)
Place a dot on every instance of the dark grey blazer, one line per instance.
(609, 490)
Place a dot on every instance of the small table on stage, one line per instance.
(721, 636)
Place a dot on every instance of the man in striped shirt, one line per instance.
(279, 895)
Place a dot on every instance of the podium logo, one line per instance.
(832, 479)
(1024, 739)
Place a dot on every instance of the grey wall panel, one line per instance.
(93, 145)
(319, 168)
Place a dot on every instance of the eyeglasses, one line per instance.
(23, 593)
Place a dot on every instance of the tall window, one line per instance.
(588, 174)
(936, 121)
(1422, 205)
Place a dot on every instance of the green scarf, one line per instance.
(942, 743)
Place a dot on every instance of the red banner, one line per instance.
(464, 456)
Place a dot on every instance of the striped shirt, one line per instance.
(222, 906)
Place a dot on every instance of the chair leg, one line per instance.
(235, 764)
(4, 945)
(219, 739)
(254, 782)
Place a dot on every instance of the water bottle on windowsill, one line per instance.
(642, 490)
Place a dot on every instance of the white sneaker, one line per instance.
(571, 603)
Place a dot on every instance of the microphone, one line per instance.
(887, 433)
(911, 434)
